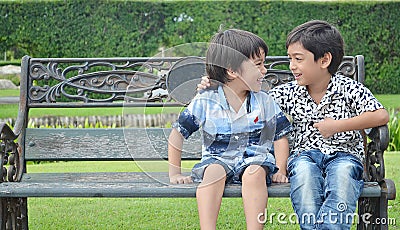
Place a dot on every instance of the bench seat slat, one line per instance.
(125, 184)
(104, 144)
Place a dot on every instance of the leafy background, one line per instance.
(105, 28)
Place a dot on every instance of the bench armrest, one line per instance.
(374, 162)
(10, 154)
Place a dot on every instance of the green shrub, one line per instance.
(13, 62)
(384, 78)
(394, 130)
(116, 28)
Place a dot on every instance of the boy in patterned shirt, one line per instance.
(328, 111)
(239, 126)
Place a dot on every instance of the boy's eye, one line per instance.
(296, 58)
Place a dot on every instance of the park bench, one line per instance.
(132, 83)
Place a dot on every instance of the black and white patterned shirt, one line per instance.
(345, 98)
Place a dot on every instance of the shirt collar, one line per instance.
(224, 104)
(222, 98)
(332, 89)
(334, 85)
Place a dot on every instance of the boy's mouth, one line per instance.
(297, 76)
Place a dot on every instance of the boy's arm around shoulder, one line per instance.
(281, 148)
(175, 143)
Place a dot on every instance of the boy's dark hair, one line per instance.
(319, 37)
(228, 50)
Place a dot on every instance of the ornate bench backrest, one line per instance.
(110, 82)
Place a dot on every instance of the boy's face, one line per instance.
(252, 72)
(305, 70)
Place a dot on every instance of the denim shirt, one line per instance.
(250, 131)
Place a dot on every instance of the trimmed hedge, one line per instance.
(101, 28)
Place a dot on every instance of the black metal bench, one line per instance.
(129, 83)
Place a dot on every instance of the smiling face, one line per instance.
(252, 72)
(305, 70)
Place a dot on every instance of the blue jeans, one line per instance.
(324, 189)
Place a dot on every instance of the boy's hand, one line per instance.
(279, 178)
(180, 179)
(327, 127)
(204, 84)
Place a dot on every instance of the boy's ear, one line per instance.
(326, 60)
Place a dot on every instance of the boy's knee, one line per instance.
(346, 169)
(305, 169)
(254, 174)
(214, 173)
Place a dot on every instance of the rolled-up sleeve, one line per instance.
(186, 124)
(363, 100)
(283, 126)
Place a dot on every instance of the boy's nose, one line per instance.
(292, 66)
(263, 70)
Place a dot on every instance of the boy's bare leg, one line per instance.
(209, 195)
(255, 195)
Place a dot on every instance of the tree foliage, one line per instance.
(116, 28)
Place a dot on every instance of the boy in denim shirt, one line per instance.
(239, 125)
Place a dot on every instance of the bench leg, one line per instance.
(370, 212)
(3, 213)
(373, 211)
(13, 213)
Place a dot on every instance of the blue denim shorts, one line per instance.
(234, 168)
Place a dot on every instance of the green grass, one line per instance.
(8, 111)
(9, 93)
(389, 100)
(154, 213)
